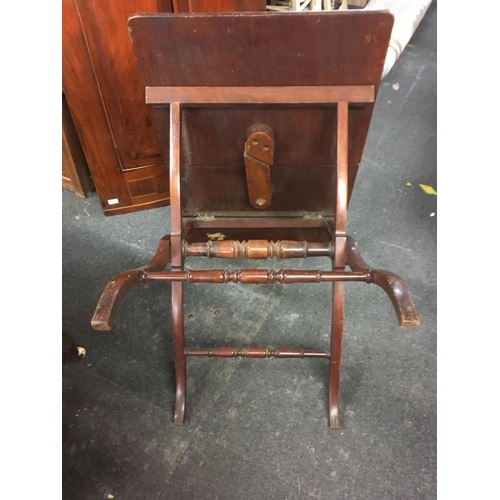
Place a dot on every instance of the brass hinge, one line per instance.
(205, 217)
(311, 215)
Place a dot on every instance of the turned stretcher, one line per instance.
(262, 121)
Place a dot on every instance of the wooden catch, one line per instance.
(258, 155)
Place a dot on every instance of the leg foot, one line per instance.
(334, 418)
(393, 285)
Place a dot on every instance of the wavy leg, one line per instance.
(393, 285)
(121, 284)
(179, 356)
(336, 353)
(339, 262)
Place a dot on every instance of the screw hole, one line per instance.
(265, 148)
(190, 316)
(216, 312)
(255, 141)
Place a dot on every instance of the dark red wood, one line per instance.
(175, 188)
(255, 276)
(256, 352)
(324, 49)
(179, 358)
(120, 285)
(304, 180)
(258, 157)
(177, 262)
(257, 249)
(342, 169)
(392, 284)
(339, 262)
(310, 94)
(106, 99)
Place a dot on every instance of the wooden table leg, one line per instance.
(336, 353)
(179, 356)
(339, 263)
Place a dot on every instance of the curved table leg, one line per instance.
(335, 354)
(393, 285)
(179, 354)
(121, 284)
(338, 264)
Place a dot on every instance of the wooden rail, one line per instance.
(323, 94)
(255, 276)
(257, 249)
(255, 352)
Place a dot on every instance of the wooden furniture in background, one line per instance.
(308, 107)
(106, 98)
(75, 173)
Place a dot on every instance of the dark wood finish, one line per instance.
(339, 262)
(165, 5)
(392, 284)
(258, 158)
(175, 188)
(261, 95)
(257, 249)
(179, 357)
(214, 191)
(336, 353)
(106, 99)
(218, 5)
(255, 276)
(256, 352)
(120, 285)
(177, 262)
(75, 172)
(124, 282)
(303, 54)
(342, 169)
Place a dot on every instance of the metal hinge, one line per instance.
(312, 215)
(205, 217)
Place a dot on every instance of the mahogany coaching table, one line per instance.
(261, 119)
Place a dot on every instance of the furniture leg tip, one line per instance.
(100, 325)
(410, 324)
(179, 417)
(334, 422)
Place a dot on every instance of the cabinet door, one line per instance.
(106, 98)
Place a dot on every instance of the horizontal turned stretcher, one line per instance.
(153, 271)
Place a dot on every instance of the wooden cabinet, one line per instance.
(106, 99)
